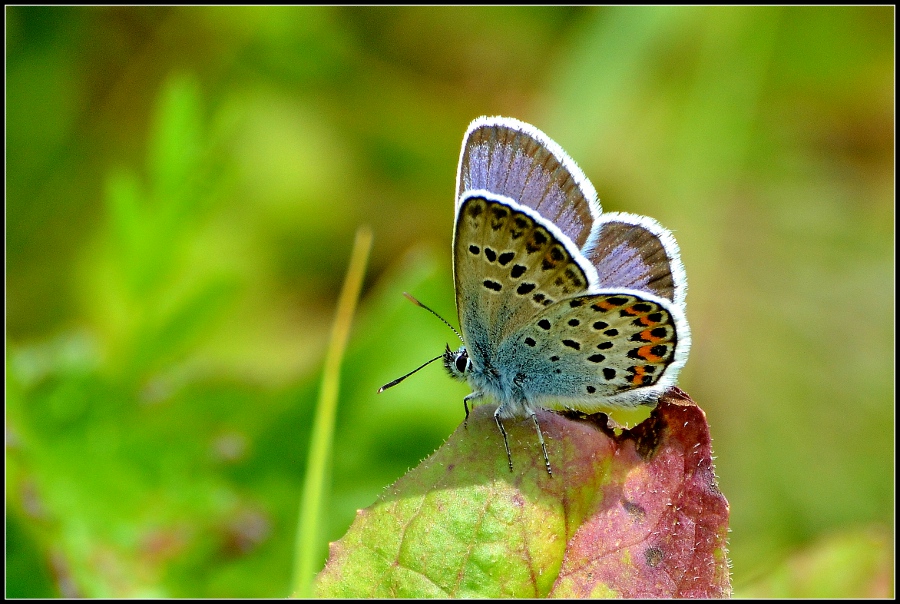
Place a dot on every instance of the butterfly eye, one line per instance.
(462, 361)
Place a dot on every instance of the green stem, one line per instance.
(310, 521)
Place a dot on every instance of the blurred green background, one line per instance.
(183, 185)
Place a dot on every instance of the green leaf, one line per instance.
(177, 139)
(631, 515)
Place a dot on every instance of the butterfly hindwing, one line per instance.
(509, 265)
(619, 348)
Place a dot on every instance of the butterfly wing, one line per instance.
(614, 349)
(509, 265)
(516, 160)
(636, 252)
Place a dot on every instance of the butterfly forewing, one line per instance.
(515, 160)
(596, 348)
(510, 265)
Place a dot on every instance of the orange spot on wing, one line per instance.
(645, 352)
(639, 374)
(647, 336)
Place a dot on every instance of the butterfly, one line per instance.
(560, 306)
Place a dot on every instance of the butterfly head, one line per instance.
(457, 362)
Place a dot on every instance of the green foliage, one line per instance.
(183, 184)
(849, 564)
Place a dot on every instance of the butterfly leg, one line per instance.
(541, 439)
(503, 432)
(470, 397)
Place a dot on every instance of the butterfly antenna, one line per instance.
(400, 379)
(417, 303)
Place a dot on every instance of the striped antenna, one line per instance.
(400, 379)
(417, 303)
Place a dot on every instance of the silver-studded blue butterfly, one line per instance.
(560, 306)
